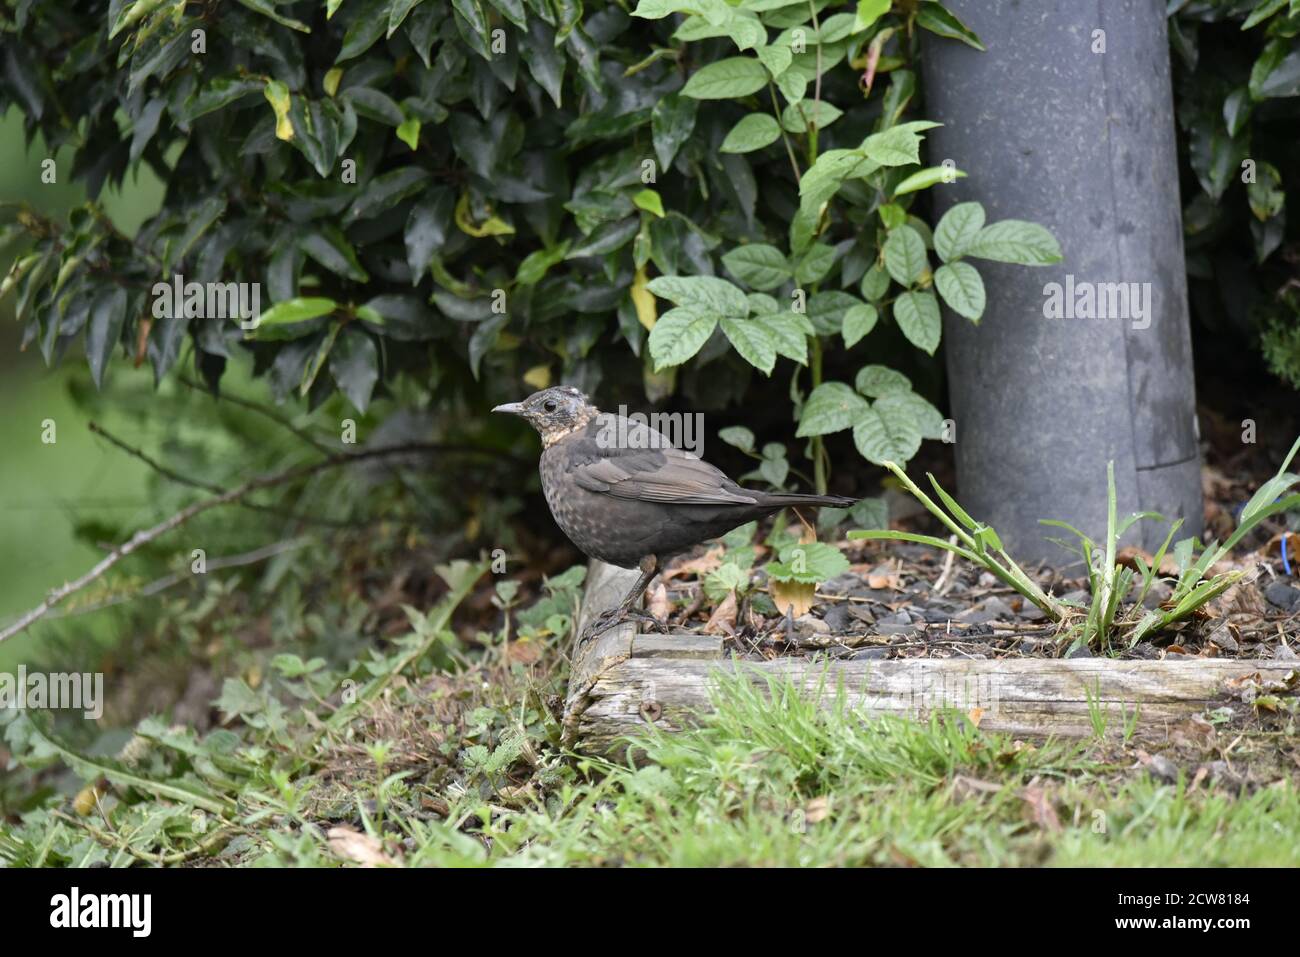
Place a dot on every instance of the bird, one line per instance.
(624, 494)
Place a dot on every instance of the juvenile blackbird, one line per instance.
(625, 495)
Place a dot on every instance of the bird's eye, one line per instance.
(550, 405)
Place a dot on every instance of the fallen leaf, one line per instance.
(818, 809)
(352, 845)
(797, 597)
(965, 787)
(723, 619)
(659, 604)
(697, 567)
(524, 652)
(1040, 808)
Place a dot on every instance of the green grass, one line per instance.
(769, 779)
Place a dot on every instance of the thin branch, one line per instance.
(144, 537)
(785, 137)
(177, 477)
(262, 410)
(175, 578)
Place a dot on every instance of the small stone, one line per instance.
(990, 609)
(1283, 596)
(1031, 612)
(837, 617)
(871, 654)
(1157, 595)
(862, 612)
(811, 625)
(1222, 638)
(1083, 651)
(1144, 649)
(1162, 768)
(1028, 646)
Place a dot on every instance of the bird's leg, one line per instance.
(624, 609)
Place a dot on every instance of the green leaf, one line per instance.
(426, 229)
(753, 132)
(936, 18)
(409, 132)
(758, 265)
(826, 311)
(799, 117)
(267, 9)
(808, 562)
(832, 169)
(858, 321)
(726, 79)
(104, 332)
(928, 419)
(961, 287)
(815, 264)
(290, 319)
(905, 255)
(789, 333)
(738, 437)
(752, 341)
(329, 247)
(679, 334)
(957, 230)
(671, 123)
(354, 366)
(875, 283)
(650, 201)
(387, 190)
(702, 293)
(887, 432)
(925, 178)
(776, 58)
(368, 27)
(897, 146)
(868, 12)
(537, 263)
(876, 380)
(1016, 241)
(917, 315)
(831, 407)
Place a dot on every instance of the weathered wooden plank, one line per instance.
(606, 586)
(1030, 697)
(624, 680)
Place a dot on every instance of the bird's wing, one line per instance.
(664, 474)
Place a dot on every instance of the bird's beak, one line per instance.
(514, 408)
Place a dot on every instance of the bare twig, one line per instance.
(175, 578)
(141, 538)
(262, 410)
(192, 482)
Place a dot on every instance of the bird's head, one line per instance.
(553, 412)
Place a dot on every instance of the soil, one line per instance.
(901, 600)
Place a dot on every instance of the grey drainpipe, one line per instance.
(1083, 142)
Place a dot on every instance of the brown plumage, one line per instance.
(625, 495)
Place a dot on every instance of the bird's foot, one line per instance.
(613, 617)
(602, 623)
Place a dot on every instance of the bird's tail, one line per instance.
(782, 499)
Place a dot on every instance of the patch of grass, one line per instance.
(462, 769)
